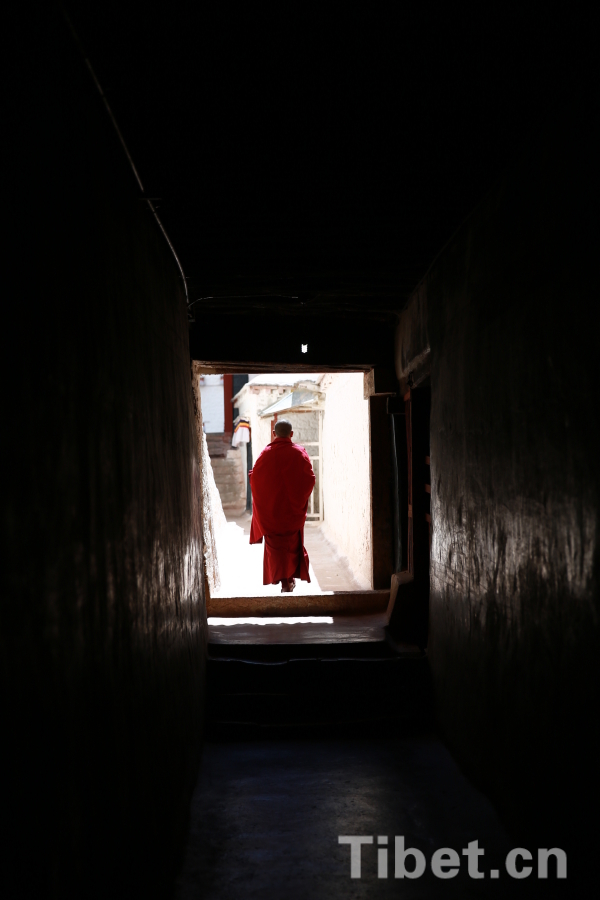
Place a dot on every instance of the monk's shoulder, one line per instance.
(301, 451)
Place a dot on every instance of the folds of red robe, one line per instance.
(282, 480)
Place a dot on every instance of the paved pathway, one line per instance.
(266, 817)
(332, 571)
(240, 563)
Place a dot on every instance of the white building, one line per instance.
(213, 403)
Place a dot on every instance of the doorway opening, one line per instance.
(354, 531)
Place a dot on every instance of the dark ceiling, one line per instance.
(310, 160)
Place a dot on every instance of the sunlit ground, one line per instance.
(241, 571)
(272, 620)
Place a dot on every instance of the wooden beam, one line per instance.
(216, 367)
(380, 382)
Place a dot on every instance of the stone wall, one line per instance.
(229, 470)
(230, 478)
(515, 426)
(102, 623)
(346, 468)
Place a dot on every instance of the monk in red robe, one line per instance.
(282, 481)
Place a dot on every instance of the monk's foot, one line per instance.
(287, 585)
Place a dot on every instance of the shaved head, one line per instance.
(283, 428)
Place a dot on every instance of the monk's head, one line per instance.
(283, 428)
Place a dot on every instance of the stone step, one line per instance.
(284, 710)
(307, 676)
(229, 498)
(227, 478)
(278, 693)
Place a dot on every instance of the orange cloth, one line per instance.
(282, 481)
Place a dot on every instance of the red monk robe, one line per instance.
(282, 480)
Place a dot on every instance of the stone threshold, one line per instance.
(301, 605)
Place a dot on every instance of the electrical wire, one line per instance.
(111, 116)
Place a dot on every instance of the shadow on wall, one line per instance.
(103, 625)
(515, 489)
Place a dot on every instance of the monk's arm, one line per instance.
(308, 475)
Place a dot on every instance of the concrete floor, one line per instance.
(330, 567)
(266, 814)
(266, 818)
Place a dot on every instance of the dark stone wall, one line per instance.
(515, 431)
(103, 622)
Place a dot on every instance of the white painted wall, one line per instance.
(346, 471)
(251, 400)
(212, 394)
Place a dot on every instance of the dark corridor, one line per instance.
(409, 196)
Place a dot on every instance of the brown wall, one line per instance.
(103, 623)
(515, 430)
(381, 494)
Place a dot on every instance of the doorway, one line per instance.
(352, 427)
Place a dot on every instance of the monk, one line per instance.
(282, 481)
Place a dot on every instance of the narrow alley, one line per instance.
(332, 272)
